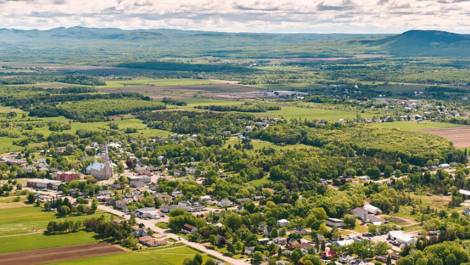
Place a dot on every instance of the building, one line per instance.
(225, 203)
(151, 241)
(139, 181)
(282, 223)
(147, 213)
(67, 176)
(401, 238)
(42, 184)
(372, 209)
(101, 171)
(366, 217)
(335, 223)
(188, 229)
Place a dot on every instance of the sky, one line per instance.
(313, 16)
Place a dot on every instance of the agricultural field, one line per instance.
(174, 255)
(22, 227)
(137, 82)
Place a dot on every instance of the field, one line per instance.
(162, 256)
(47, 255)
(22, 226)
(459, 136)
(159, 82)
(181, 88)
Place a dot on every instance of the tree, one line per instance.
(257, 258)
(30, 198)
(350, 221)
(210, 262)
(63, 210)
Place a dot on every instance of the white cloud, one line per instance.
(241, 15)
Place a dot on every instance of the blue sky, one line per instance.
(320, 16)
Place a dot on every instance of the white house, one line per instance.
(147, 213)
(224, 203)
(282, 223)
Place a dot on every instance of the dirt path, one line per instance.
(55, 254)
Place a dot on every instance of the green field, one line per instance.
(22, 226)
(161, 256)
(17, 243)
(159, 82)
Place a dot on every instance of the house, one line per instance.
(401, 238)
(139, 181)
(282, 223)
(188, 229)
(335, 223)
(345, 242)
(147, 213)
(151, 241)
(67, 176)
(466, 212)
(280, 241)
(225, 203)
(249, 250)
(42, 184)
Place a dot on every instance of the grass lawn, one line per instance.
(38, 241)
(162, 256)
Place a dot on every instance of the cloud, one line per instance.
(323, 16)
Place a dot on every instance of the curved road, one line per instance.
(151, 225)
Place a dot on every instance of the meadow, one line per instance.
(174, 255)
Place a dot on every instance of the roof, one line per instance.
(464, 192)
(149, 209)
(95, 166)
(371, 208)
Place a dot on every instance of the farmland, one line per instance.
(22, 227)
(166, 256)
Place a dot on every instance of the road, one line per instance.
(151, 225)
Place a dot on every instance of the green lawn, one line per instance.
(161, 256)
(17, 243)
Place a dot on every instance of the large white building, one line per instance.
(101, 171)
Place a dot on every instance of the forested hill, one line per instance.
(426, 43)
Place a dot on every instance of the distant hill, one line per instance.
(426, 43)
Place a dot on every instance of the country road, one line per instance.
(151, 225)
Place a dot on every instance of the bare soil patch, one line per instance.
(55, 254)
(459, 136)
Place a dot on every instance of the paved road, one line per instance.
(151, 224)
